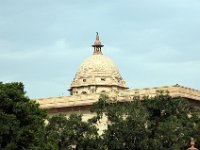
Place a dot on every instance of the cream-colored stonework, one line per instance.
(97, 74)
(81, 103)
(127, 95)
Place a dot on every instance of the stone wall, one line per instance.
(66, 103)
(82, 103)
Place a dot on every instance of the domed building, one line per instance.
(97, 74)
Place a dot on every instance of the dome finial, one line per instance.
(97, 37)
(97, 45)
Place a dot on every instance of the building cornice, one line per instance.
(127, 95)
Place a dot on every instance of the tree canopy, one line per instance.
(159, 122)
(21, 120)
(144, 123)
(67, 133)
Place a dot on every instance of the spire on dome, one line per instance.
(97, 37)
(97, 45)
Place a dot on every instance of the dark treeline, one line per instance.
(158, 123)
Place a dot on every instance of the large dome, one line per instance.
(97, 74)
(98, 70)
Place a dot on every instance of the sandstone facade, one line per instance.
(98, 74)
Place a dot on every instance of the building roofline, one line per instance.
(127, 95)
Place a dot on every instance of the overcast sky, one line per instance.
(153, 42)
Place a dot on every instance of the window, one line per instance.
(84, 92)
(84, 80)
(75, 92)
(103, 79)
(92, 90)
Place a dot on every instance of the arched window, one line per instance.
(75, 92)
(103, 79)
(84, 92)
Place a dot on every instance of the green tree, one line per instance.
(159, 122)
(72, 133)
(173, 121)
(21, 120)
(147, 123)
(127, 123)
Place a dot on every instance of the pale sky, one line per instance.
(153, 42)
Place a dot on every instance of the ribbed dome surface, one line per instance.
(98, 70)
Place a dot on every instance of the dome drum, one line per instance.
(95, 89)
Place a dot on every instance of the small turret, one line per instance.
(97, 46)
